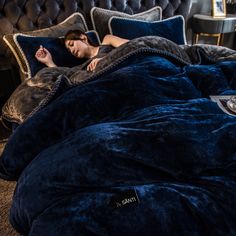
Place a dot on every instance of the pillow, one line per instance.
(27, 45)
(100, 18)
(172, 28)
(74, 21)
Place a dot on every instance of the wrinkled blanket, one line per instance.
(36, 92)
(137, 148)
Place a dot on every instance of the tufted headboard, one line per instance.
(28, 15)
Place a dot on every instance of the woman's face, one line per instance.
(77, 48)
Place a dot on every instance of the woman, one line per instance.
(77, 42)
(80, 46)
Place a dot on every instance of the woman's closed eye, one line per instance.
(69, 45)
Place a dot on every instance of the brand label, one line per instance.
(124, 198)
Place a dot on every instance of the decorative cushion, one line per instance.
(100, 18)
(26, 47)
(74, 21)
(172, 28)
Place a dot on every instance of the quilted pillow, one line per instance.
(74, 21)
(172, 28)
(100, 18)
(27, 45)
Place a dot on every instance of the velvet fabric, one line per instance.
(74, 21)
(100, 18)
(145, 126)
(19, 16)
(39, 90)
(28, 45)
(172, 28)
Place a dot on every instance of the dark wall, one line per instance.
(204, 7)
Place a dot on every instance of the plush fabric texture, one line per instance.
(6, 193)
(100, 18)
(139, 140)
(28, 45)
(172, 28)
(74, 21)
(24, 100)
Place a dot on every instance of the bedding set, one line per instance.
(135, 148)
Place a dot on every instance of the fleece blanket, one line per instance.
(137, 148)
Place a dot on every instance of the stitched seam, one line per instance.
(22, 52)
(123, 58)
(106, 69)
(46, 100)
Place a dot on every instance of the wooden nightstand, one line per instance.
(205, 25)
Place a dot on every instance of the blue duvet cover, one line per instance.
(137, 149)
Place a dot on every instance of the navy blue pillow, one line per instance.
(172, 28)
(28, 45)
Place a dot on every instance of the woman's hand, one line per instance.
(44, 56)
(92, 65)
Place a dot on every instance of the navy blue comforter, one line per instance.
(138, 150)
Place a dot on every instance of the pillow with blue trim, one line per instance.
(172, 28)
(28, 45)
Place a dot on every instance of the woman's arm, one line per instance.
(92, 65)
(108, 40)
(113, 40)
(45, 57)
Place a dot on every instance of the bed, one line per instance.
(142, 146)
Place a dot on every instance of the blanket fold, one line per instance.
(35, 92)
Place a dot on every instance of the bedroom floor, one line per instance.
(7, 188)
(6, 192)
(4, 134)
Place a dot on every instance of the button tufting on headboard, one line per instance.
(27, 15)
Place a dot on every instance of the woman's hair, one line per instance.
(76, 35)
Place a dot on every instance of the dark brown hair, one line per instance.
(76, 35)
